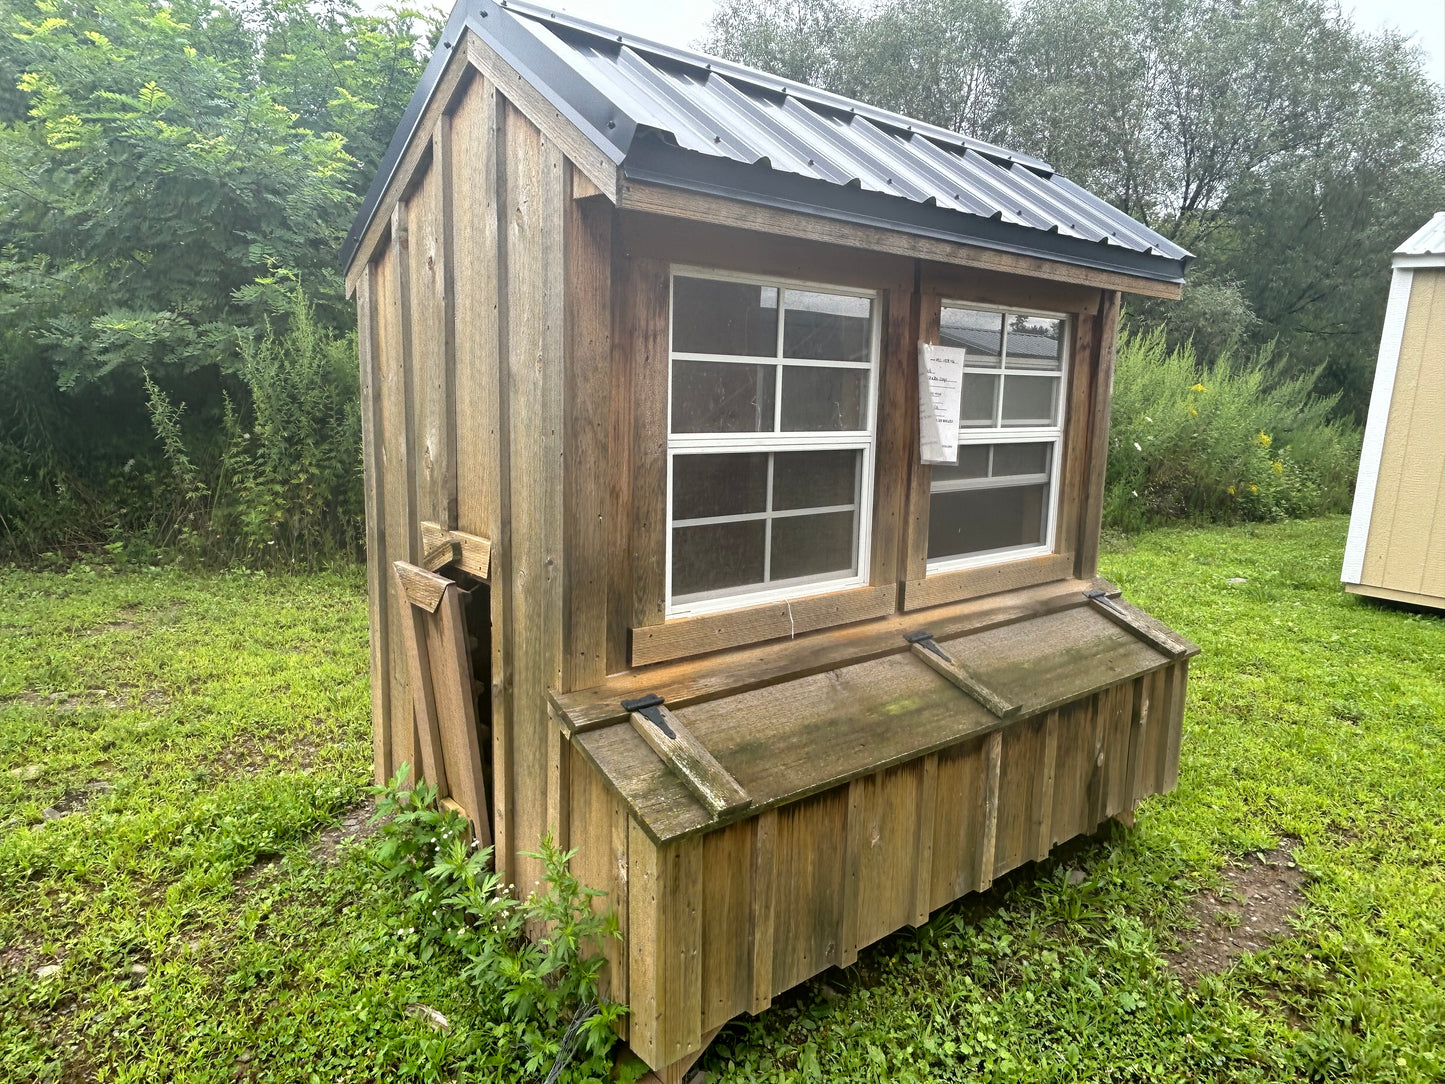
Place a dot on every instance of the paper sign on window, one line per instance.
(940, 397)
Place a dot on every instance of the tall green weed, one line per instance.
(280, 485)
(552, 1022)
(1220, 442)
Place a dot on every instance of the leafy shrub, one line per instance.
(552, 1017)
(1220, 442)
(283, 486)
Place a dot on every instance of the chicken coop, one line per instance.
(1396, 546)
(734, 469)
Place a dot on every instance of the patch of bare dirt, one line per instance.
(19, 957)
(115, 699)
(1248, 913)
(246, 756)
(355, 826)
(76, 799)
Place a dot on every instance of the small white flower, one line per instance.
(1135, 492)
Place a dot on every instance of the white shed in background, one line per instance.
(1396, 545)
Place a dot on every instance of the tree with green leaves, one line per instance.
(171, 172)
(1290, 151)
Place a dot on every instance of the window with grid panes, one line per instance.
(1000, 500)
(770, 440)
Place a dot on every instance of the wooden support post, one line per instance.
(992, 760)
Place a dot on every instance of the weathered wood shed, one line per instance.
(1396, 545)
(655, 562)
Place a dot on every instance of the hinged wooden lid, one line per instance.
(785, 741)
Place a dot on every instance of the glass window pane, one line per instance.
(812, 545)
(824, 400)
(980, 394)
(968, 521)
(1035, 342)
(717, 556)
(1021, 459)
(1029, 400)
(723, 397)
(979, 333)
(704, 486)
(826, 327)
(814, 479)
(972, 463)
(713, 317)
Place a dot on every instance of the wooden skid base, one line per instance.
(718, 924)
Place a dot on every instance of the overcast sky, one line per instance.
(683, 22)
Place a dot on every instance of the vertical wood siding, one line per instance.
(717, 925)
(466, 352)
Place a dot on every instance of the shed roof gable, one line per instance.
(685, 120)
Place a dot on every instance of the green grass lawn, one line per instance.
(173, 749)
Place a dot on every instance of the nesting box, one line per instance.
(1396, 546)
(653, 351)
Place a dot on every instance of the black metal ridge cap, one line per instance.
(654, 162)
(566, 89)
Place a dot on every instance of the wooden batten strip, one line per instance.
(705, 777)
(374, 491)
(559, 785)
(1137, 730)
(413, 161)
(965, 679)
(1134, 621)
(644, 967)
(853, 845)
(420, 587)
(765, 840)
(1044, 815)
(442, 161)
(601, 172)
(988, 844)
(1179, 678)
(1091, 500)
(923, 863)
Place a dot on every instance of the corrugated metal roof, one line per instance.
(1426, 245)
(674, 117)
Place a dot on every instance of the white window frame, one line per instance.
(861, 440)
(1012, 434)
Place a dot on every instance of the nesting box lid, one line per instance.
(892, 703)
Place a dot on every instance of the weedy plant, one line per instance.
(553, 1019)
